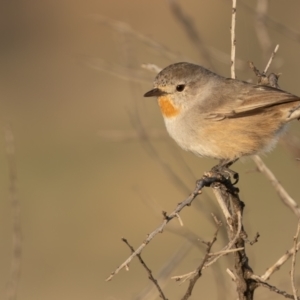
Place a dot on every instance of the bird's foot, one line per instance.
(223, 169)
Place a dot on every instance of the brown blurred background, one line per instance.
(81, 189)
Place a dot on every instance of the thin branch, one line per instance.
(222, 204)
(294, 261)
(279, 263)
(224, 252)
(271, 58)
(163, 275)
(148, 270)
(276, 290)
(284, 196)
(179, 220)
(233, 39)
(231, 274)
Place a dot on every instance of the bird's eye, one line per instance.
(180, 87)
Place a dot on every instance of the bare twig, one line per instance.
(233, 39)
(224, 252)
(231, 274)
(15, 269)
(275, 290)
(271, 59)
(284, 196)
(279, 263)
(184, 277)
(179, 219)
(223, 206)
(148, 270)
(163, 275)
(294, 261)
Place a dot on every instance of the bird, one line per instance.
(218, 117)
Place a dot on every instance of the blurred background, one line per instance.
(94, 162)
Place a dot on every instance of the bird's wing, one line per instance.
(251, 100)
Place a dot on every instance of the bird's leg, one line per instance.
(223, 167)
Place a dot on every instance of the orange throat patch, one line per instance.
(167, 107)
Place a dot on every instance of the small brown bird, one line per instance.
(218, 117)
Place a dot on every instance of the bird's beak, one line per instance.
(155, 93)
